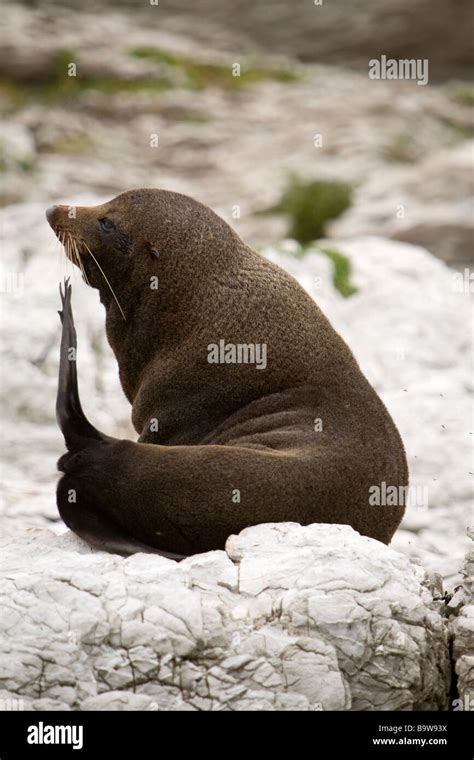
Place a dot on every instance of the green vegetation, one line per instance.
(195, 117)
(400, 148)
(12, 96)
(172, 70)
(25, 165)
(75, 145)
(341, 273)
(462, 131)
(59, 76)
(16, 95)
(310, 205)
(198, 75)
(59, 84)
(463, 94)
(55, 84)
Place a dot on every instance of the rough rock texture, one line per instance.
(286, 618)
(462, 631)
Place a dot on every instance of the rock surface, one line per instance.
(462, 631)
(312, 618)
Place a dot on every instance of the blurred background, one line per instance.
(264, 111)
(303, 105)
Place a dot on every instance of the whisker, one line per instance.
(82, 268)
(105, 278)
(62, 240)
(79, 260)
(72, 248)
(67, 246)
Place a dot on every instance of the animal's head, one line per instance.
(120, 246)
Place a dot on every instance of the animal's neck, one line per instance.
(156, 325)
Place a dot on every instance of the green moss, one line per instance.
(75, 145)
(55, 84)
(12, 97)
(155, 54)
(25, 165)
(111, 85)
(400, 148)
(341, 272)
(310, 205)
(199, 75)
(62, 60)
(463, 94)
(195, 117)
(60, 84)
(460, 130)
(53, 92)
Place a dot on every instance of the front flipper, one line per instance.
(78, 507)
(76, 428)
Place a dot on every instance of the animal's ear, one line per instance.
(152, 250)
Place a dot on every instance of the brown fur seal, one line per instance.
(227, 435)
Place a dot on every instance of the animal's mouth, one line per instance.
(76, 247)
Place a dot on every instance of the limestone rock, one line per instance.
(462, 631)
(288, 617)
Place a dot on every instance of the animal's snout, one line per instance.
(56, 214)
(50, 211)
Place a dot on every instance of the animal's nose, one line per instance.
(50, 213)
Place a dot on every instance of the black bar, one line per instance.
(313, 734)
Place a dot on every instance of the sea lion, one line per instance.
(250, 408)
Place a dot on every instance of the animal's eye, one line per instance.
(106, 224)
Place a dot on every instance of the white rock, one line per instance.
(289, 617)
(462, 631)
(17, 147)
(417, 205)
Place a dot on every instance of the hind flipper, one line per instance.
(97, 529)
